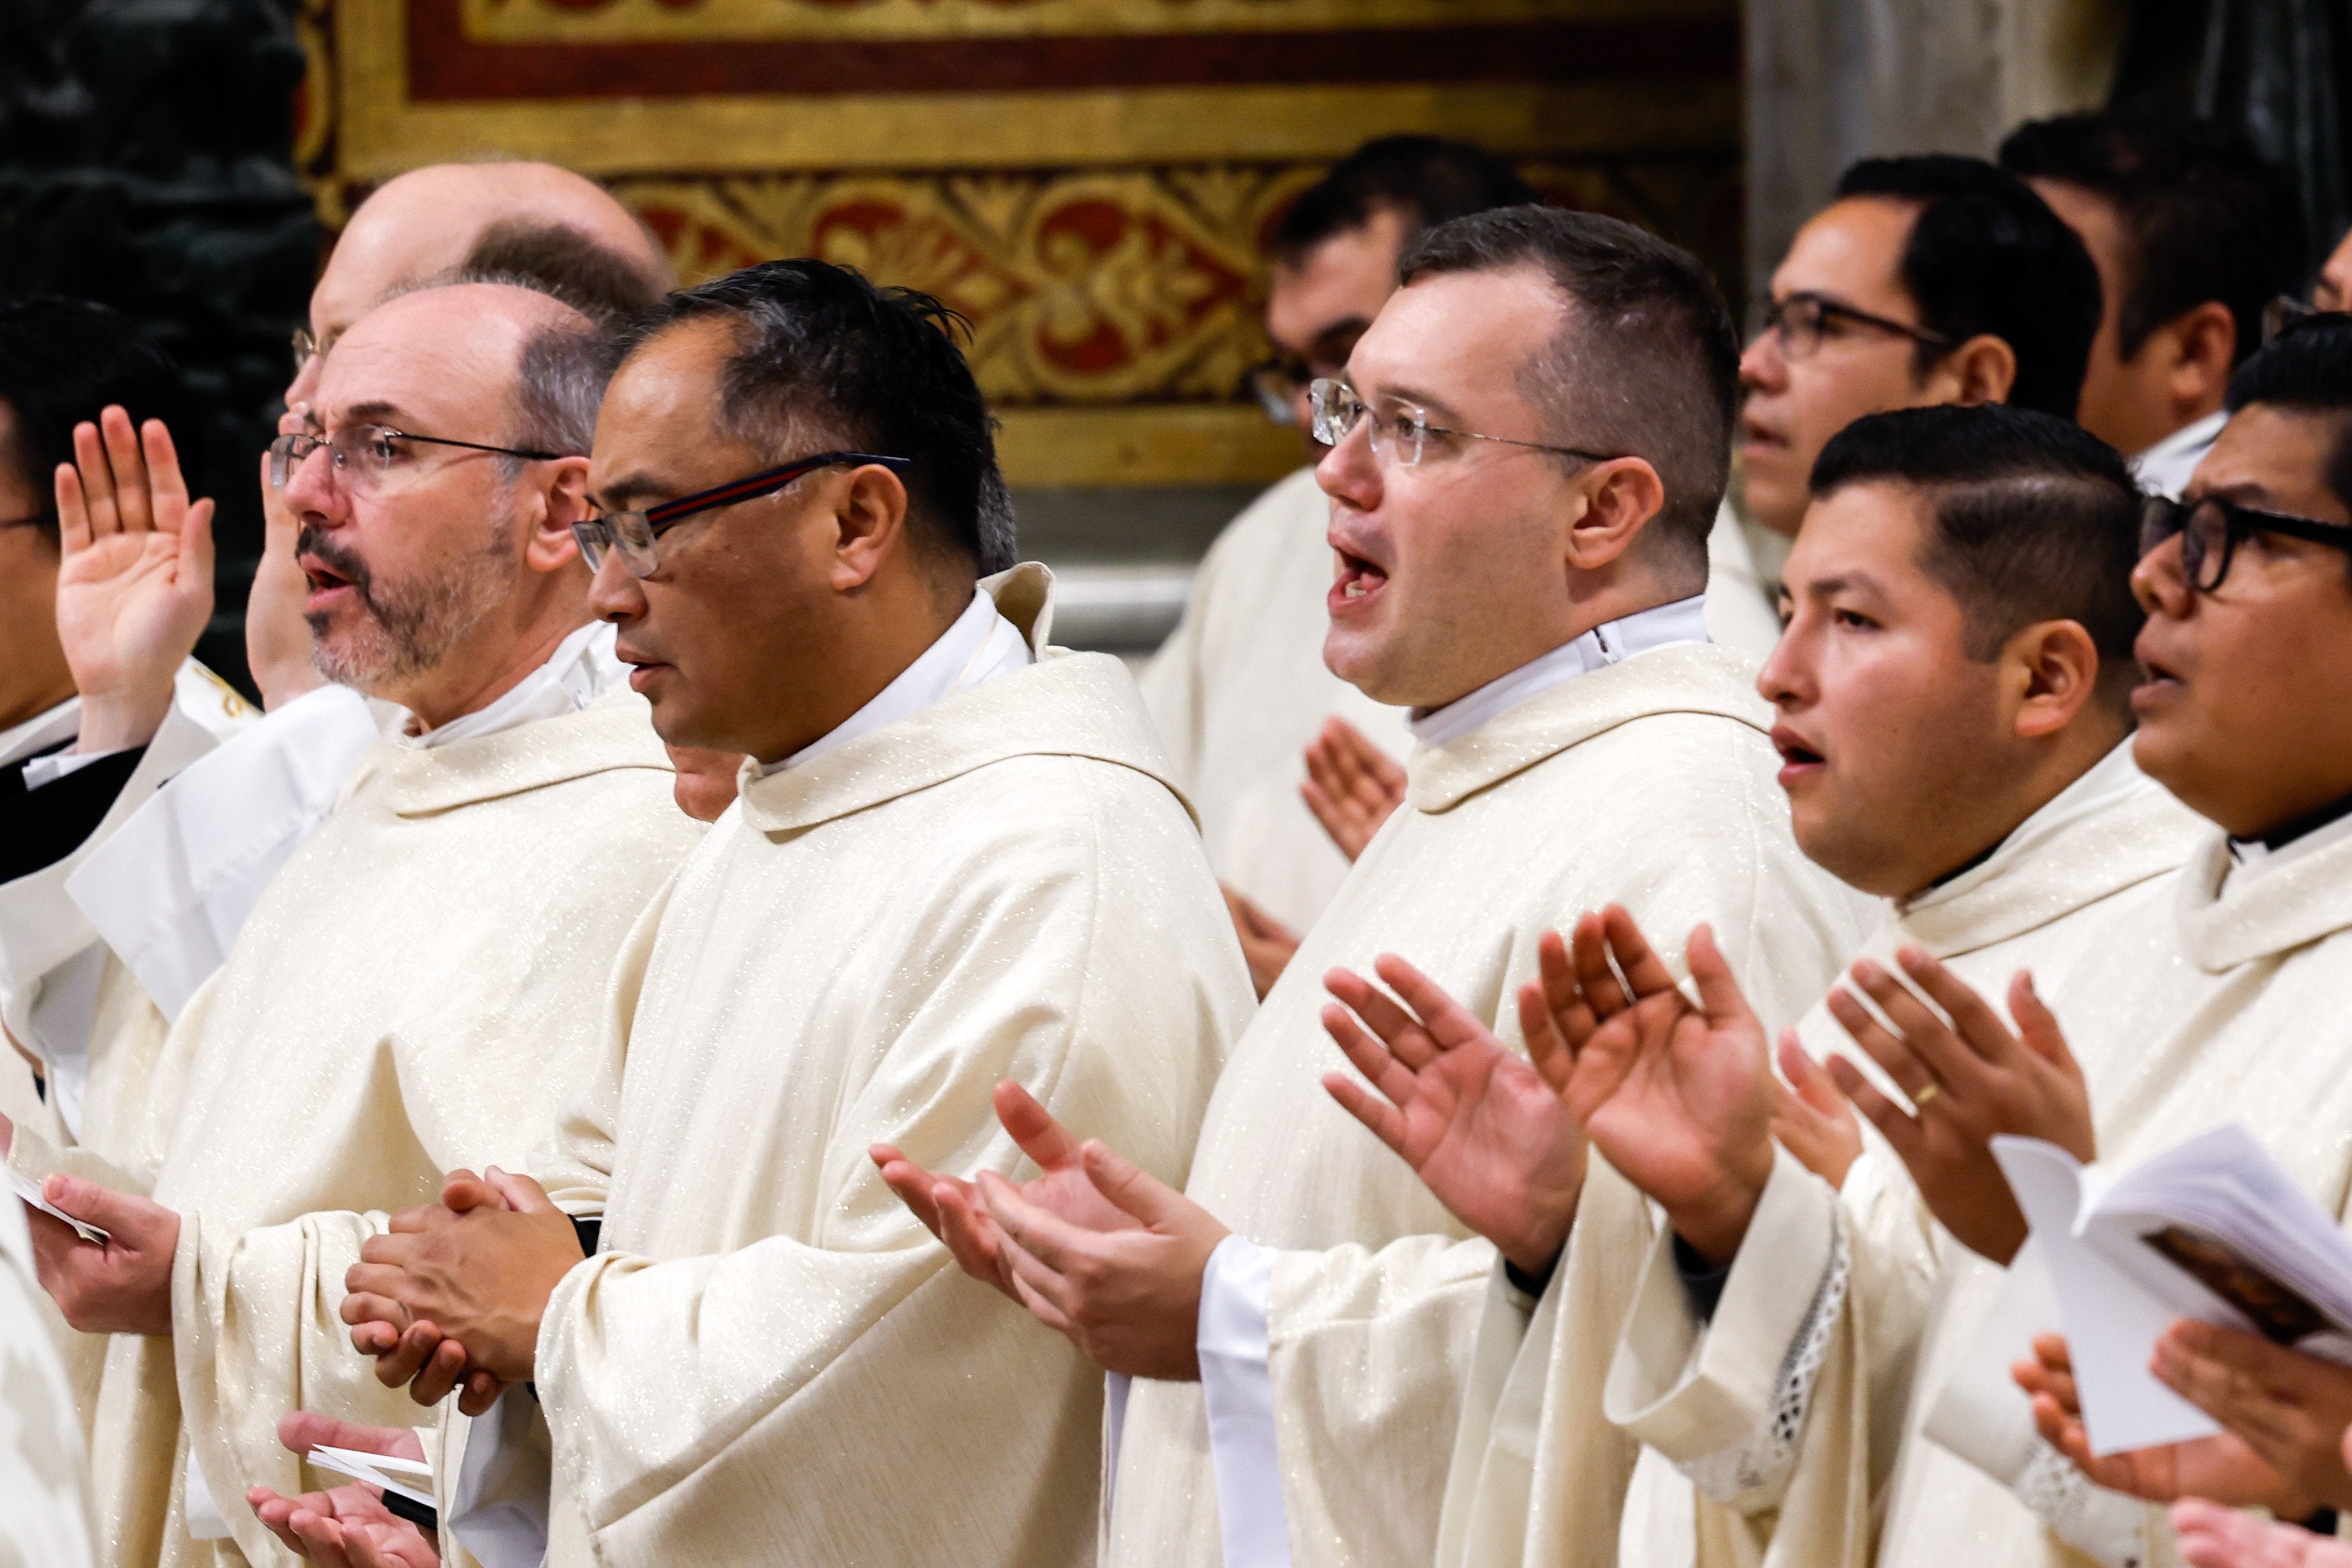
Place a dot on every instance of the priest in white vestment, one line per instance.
(1579, 740)
(957, 859)
(2210, 995)
(416, 990)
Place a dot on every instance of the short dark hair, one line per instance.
(564, 262)
(1429, 179)
(1645, 361)
(1988, 256)
(65, 360)
(2306, 370)
(823, 354)
(2204, 216)
(2034, 519)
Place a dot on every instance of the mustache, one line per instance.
(339, 558)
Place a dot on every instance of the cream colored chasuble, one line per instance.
(769, 1359)
(414, 993)
(1828, 1302)
(1650, 781)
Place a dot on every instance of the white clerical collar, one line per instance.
(980, 646)
(2108, 783)
(1644, 631)
(44, 731)
(583, 668)
(2164, 468)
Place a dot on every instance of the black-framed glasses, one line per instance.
(633, 533)
(360, 456)
(2209, 529)
(1277, 380)
(1401, 435)
(1801, 320)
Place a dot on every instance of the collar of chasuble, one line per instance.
(2231, 915)
(1064, 704)
(614, 731)
(2111, 829)
(1688, 678)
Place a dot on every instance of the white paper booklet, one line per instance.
(2211, 1230)
(400, 1478)
(29, 1191)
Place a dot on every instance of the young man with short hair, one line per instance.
(2194, 233)
(1522, 563)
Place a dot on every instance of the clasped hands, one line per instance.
(453, 1293)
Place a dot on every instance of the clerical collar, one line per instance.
(2294, 835)
(980, 644)
(45, 731)
(2164, 468)
(2106, 783)
(583, 668)
(1644, 631)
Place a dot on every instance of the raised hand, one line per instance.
(1968, 1078)
(1129, 1299)
(1677, 1094)
(1351, 785)
(135, 584)
(2224, 1468)
(1477, 1125)
(952, 1210)
(122, 1287)
(1266, 943)
(2212, 1536)
(344, 1525)
(277, 641)
(1811, 1120)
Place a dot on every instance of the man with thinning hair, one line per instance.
(418, 986)
(958, 859)
(1521, 564)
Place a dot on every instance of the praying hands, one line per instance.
(456, 1292)
(1097, 1249)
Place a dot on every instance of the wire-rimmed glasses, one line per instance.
(1401, 435)
(360, 456)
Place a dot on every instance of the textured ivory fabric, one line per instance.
(414, 993)
(2047, 901)
(1649, 781)
(1239, 689)
(771, 1360)
(43, 1513)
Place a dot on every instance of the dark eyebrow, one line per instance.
(1827, 587)
(633, 492)
(369, 412)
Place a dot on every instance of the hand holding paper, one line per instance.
(121, 1286)
(350, 1526)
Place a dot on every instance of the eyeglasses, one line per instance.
(2210, 529)
(1277, 380)
(1802, 319)
(1402, 436)
(360, 456)
(633, 533)
(306, 349)
(2286, 316)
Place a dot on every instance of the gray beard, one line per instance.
(408, 628)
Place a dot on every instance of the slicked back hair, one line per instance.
(63, 361)
(1644, 361)
(1987, 256)
(2306, 371)
(1429, 179)
(824, 358)
(2204, 216)
(564, 262)
(2033, 518)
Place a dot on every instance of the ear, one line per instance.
(2206, 340)
(1982, 369)
(2053, 668)
(550, 509)
(869, 515)
(1620, 498)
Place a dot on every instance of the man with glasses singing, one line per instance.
(1525, 457)
(421, 981)
(957, 859)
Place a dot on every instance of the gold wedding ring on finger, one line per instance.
(1919, 1098)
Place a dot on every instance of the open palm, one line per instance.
(1676, 1094)
(135, 583)
(1473, 1120)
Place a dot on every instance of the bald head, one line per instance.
(426, 223)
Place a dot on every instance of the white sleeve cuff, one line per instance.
(1238, 1391)
(499, 1507)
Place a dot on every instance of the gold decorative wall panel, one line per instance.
(1091, 182)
